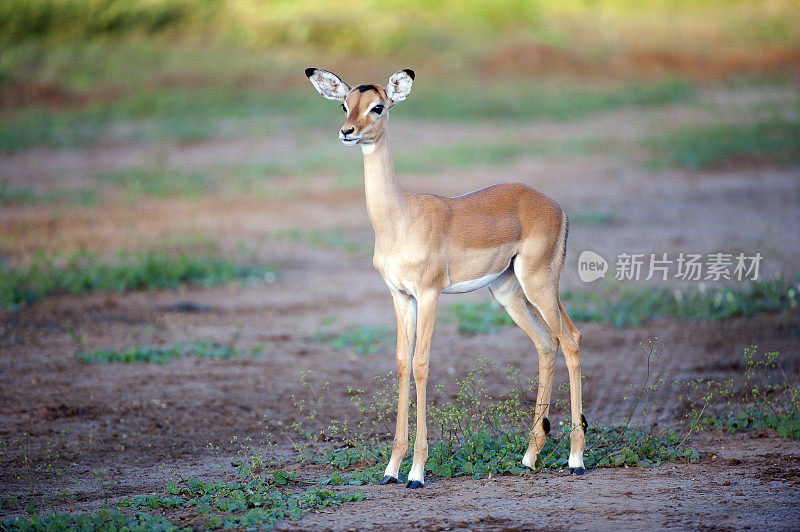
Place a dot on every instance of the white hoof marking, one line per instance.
(417, 473)
(576, 460)
(529, 460)
(392, 470)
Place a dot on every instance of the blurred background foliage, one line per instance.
(384, 26)
(695, 38)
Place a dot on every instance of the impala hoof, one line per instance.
(388, 480)
(414, 484)
(577, 470)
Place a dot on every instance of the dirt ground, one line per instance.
(134, 422)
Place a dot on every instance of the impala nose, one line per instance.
(346, 132)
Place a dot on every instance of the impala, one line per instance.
(508, 237)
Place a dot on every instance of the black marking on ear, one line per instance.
(409, 72)
(365, 88)
(310, 71)
(584, 423)
(546, 426)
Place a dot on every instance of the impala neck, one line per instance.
(386, 202)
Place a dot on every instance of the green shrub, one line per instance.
(766, 395)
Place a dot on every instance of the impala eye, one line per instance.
(344, 108)
(378, 109)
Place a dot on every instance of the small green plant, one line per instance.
(83, 271)
(105, 519)
(361, 339)
(258, 495)
(257, 502)
(49, 469)
(475, 432)
(162, 355)
(765, 396)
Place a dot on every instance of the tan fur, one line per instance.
(425, 243)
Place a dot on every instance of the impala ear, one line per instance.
(399, 85)
(328, 84)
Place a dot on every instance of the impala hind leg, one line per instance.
(572, 354)
(507, 291)
(542, 292)
(405, 310)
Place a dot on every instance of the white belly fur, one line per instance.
(469, 286)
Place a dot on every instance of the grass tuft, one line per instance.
(162, 355)
(361, 339)
(23, 196)
(775, 141)
(624, 306)
(526, 101)
(83, 272)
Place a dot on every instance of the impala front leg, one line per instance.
(405, 310)
(426, 318)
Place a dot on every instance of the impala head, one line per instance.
(364, 106)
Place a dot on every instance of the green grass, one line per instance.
(83, 272)
(488, 154)
(479, 317)
(195, 114)
(591, 219)
(10, 195)
(162, 355)
(159, 182)
(623, 306)
(340, 239)
(150, 116)
(775, 141)
(540, 101)
(361, 339)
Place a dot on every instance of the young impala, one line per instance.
(508, 237)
